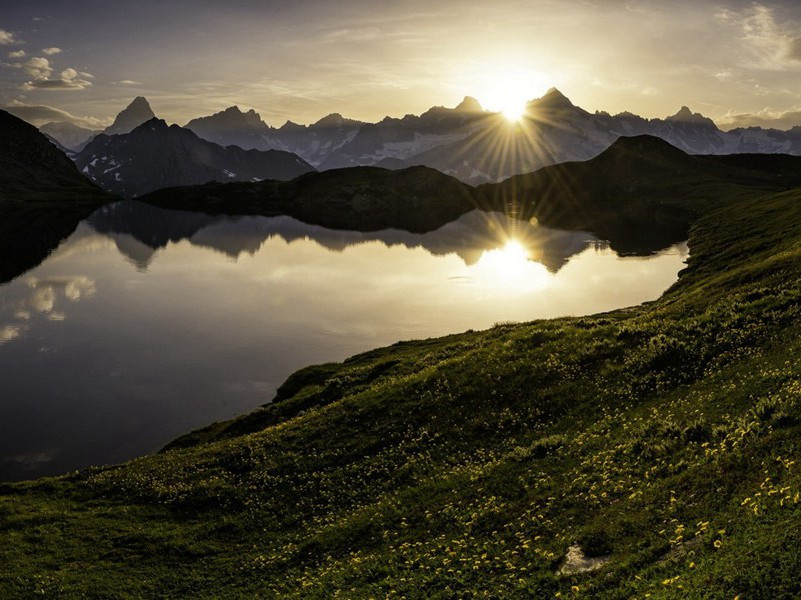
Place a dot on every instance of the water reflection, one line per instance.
(145, 324)
(149, 229)
(40, 297)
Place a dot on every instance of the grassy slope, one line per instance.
(465, 466)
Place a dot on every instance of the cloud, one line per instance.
(766, 118)
(17, 54)
(37, 67)
(38, 114)
(70, 79)
(51, 51)
(353, 35)
(128, 82)
(773, 46)
(7, 38)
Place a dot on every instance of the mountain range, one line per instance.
(468, 142)
(155, 155)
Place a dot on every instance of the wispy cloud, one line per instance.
(39, 114)
(17, 54)
(772, 45)
(353, 35)
(51, 51)
(767, 118)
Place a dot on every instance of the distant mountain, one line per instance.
(67, 152)
(42, 196)
(317, 141)
(68, 134)
(232, 127)
(131, 117)
(402, 139)
(313, 143)
(155, 155)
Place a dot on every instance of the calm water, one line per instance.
(146, 324)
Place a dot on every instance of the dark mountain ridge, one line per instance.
(42, 196)
(156, 155)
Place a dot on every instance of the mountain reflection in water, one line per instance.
(468, 237)
(145, 324)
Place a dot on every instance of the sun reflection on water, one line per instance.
(511, 267)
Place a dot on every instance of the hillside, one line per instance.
(42, 196)
(660, 441)
(641, 193)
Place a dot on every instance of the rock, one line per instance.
(576, 562)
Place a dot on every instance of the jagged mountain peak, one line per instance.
(469, 104)
(553, 98)
(140, 103)
(133, 115)
(231, 118)
(291, 125)
(333, 120)
(235, 110)
(685, 115)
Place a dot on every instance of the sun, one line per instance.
(514, 110)
(508, 91)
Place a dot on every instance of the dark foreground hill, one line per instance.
(641, 193)
(416, 199)
(648, 452)
(42, 196)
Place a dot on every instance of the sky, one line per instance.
(738, 62)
